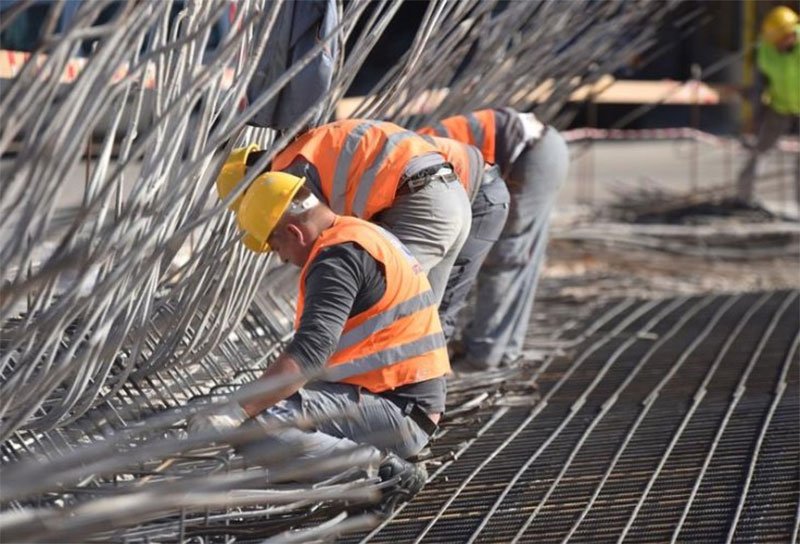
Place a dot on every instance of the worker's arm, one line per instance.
(286, 371)
(332, 284)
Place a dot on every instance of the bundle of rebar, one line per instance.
(127, 301)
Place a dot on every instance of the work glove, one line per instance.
(226, 418)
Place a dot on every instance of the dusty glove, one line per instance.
(226, 418)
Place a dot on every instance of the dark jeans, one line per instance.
(489, 212)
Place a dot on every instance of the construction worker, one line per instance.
(379, 172)
(533, 160)
(778, 59)
(489, 197)
(366, 316)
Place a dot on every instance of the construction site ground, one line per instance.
(657, 398)
(657, 402)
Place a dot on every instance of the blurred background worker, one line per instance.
(366, 316)
(382, 173)
(778, 59)
(533, 161)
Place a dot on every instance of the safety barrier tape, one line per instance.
(787, 144)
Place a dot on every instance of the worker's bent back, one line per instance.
(359, 162)
(399, 340)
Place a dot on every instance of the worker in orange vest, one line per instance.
(379, 172)
(366, 326)
(490, 200)
(533, 160)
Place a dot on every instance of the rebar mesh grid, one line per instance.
(678, 421)
(133, 306)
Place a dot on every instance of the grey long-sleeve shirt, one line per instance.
(342, 282)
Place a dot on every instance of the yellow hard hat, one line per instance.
(779, 22)
(234, 171)
(263, 205)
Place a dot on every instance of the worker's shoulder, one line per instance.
(342, 250)
(344, 257)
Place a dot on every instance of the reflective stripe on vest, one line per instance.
(386, 357)
(441, 130)
(476, 128)
(339, 196)
(399, 339)
(368, 179)
(384, 319)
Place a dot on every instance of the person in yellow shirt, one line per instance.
(778, 60)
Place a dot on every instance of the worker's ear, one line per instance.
(296, 234)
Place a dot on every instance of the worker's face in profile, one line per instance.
(788, 42)
(287, 241)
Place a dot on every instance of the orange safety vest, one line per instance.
(399, 340)
(466, 159)
(477, 128)
(360, 162)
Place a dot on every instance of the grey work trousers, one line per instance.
(433, 223)
(489, 213)
(349, 422)
(507, 281)
(772, 127)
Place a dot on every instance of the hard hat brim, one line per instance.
(254, 244)
(232, 173)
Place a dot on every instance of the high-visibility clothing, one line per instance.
(399, 340)
(466, 159)
(360, 162)
(783, 75)
(477, 128)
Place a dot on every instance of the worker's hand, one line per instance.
(226, 418)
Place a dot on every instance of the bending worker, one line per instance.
(382, 173)
(778, 59)
(366, 315)
(489, 197)
(533, 160)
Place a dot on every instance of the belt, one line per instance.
(411, 409)
(421, 179)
